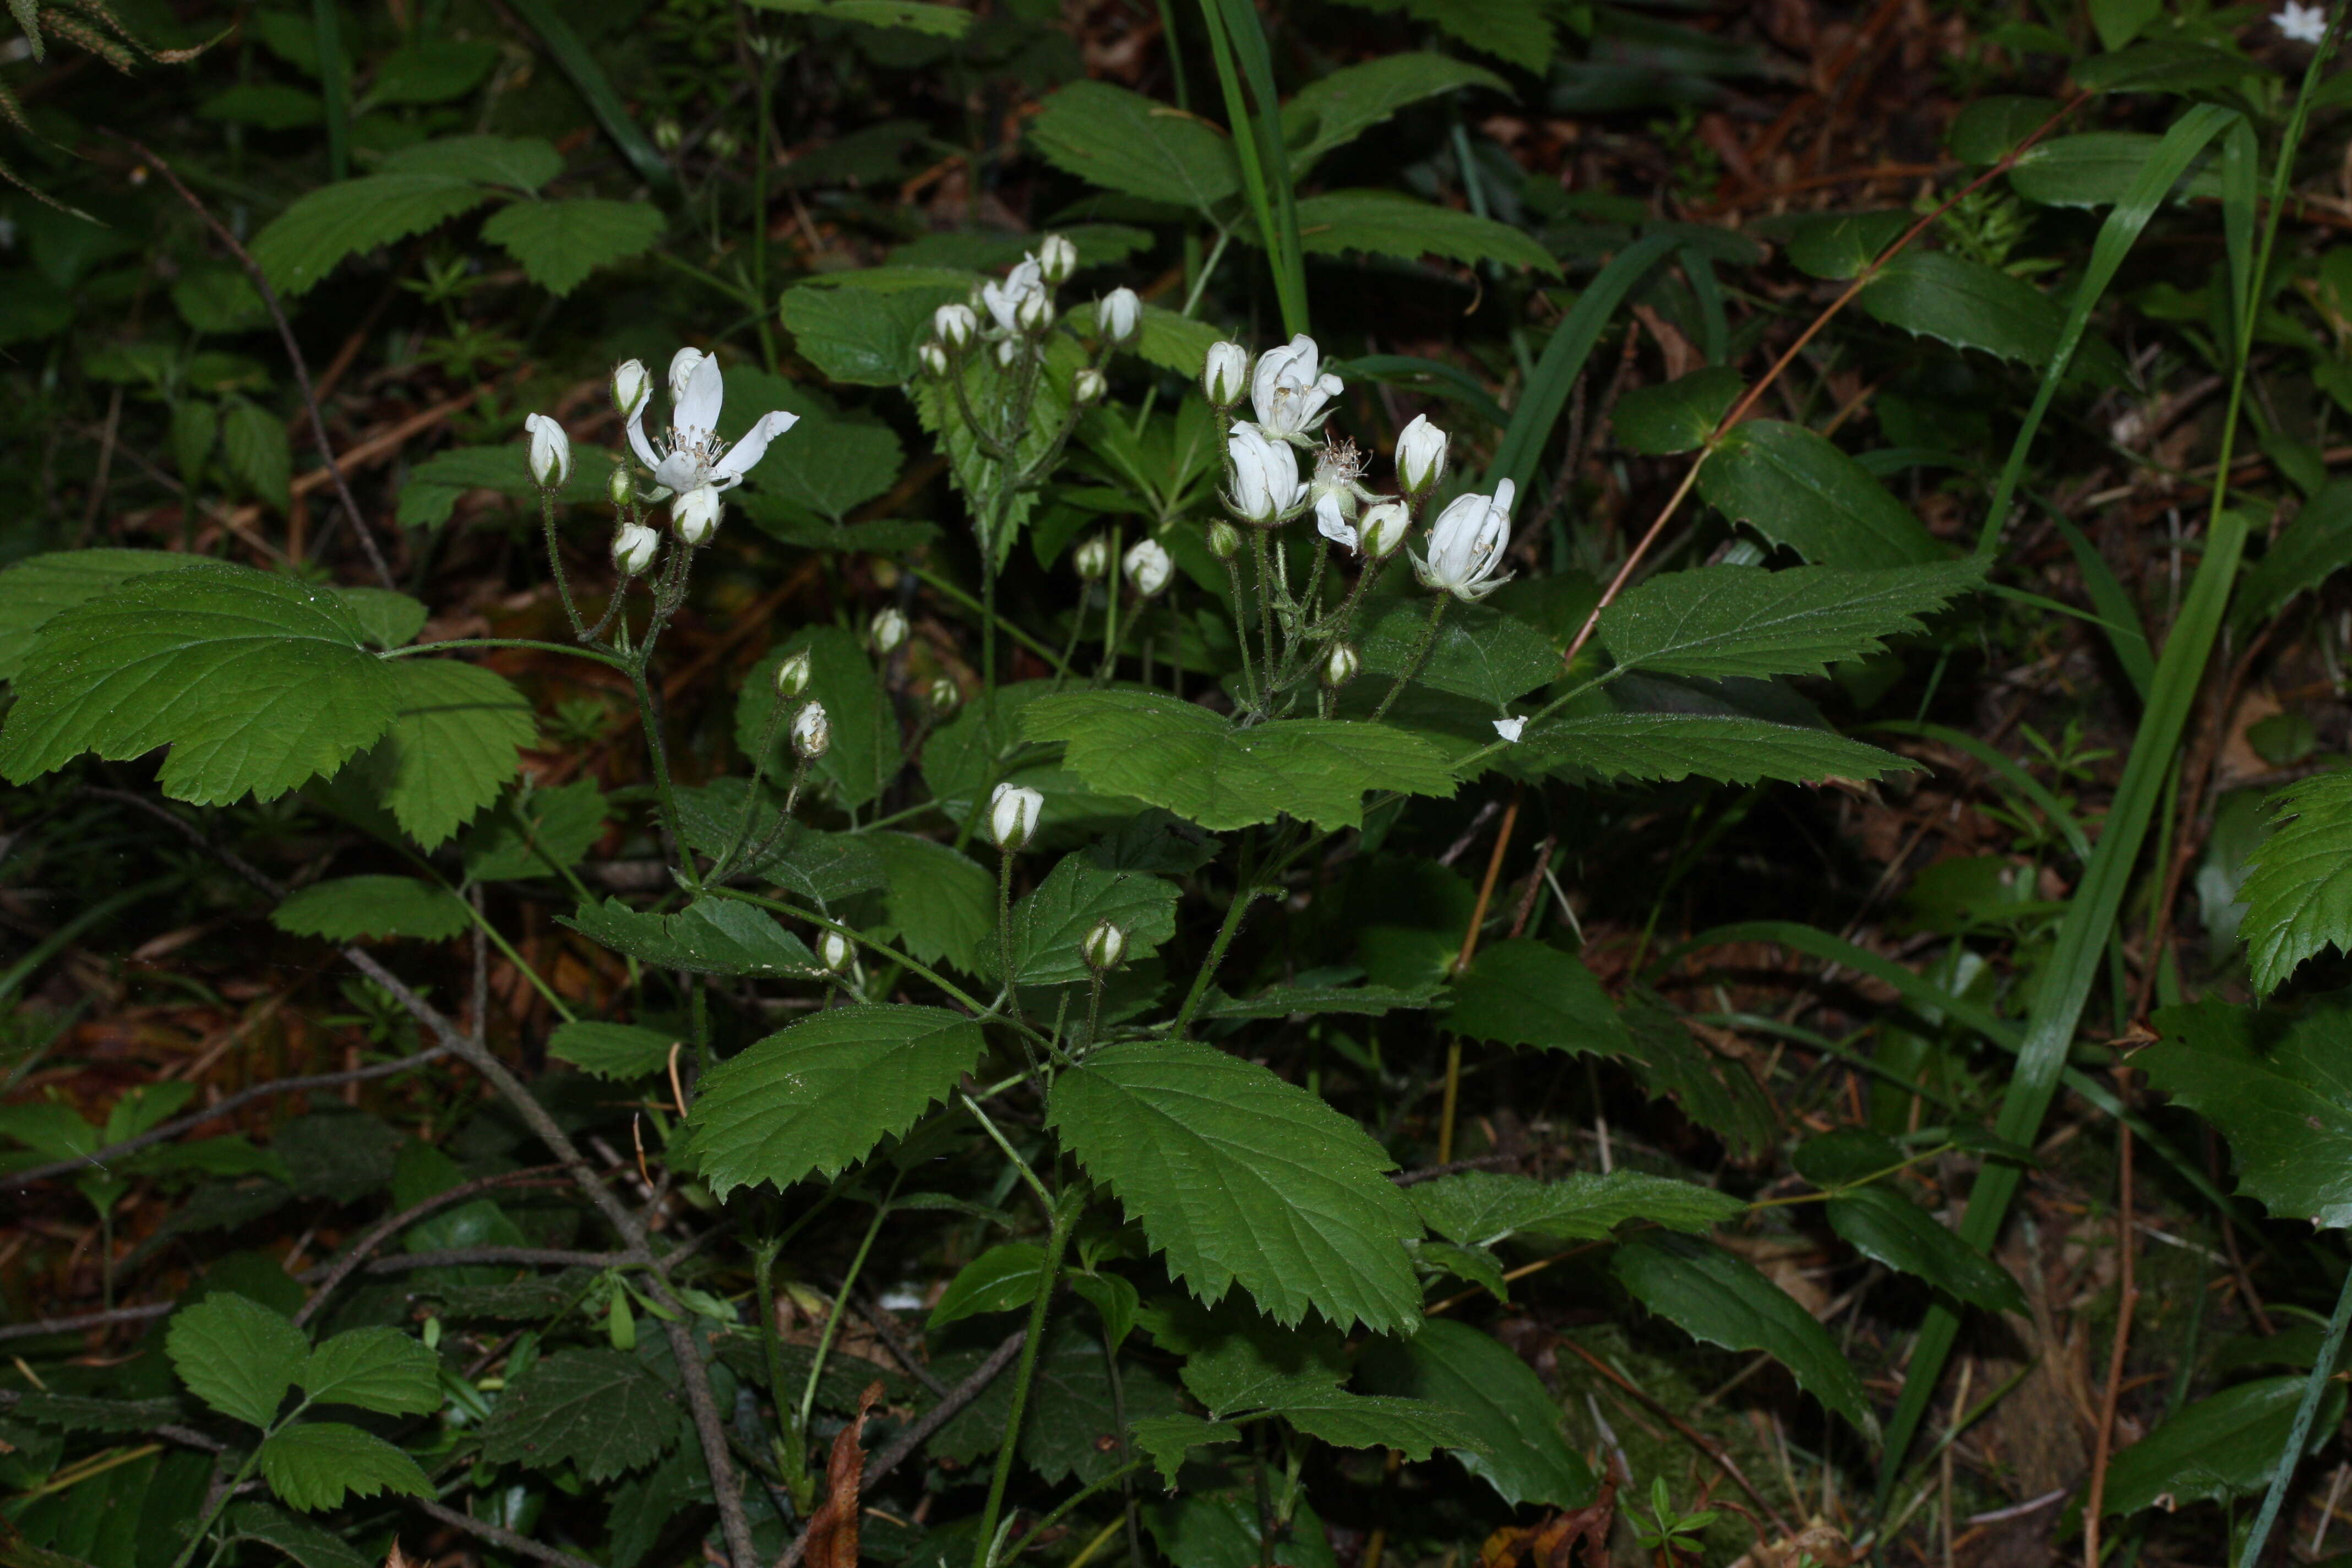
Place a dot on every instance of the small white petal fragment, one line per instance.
(1510, 729)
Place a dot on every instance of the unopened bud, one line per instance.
(793, 675)
(1091, 559)
(1149, 566)
(619, 489)
(833, 949)
(934, 361)
(1104, 947)
(1087, 387)
(1420, 456)
(1340, 665)
(1120, 317)
(668, 135)
(944, 696)
(954, 326)
(631, 387)
(632, 548)
(1225, 375)
(1013, 815)
(1008, 353)
(888, 635)
(550, 452)
(1384, 529)
(1224, 539)
(811, 732)
(721, 143)
(1035, 313)
(1056, 258)
(696, 514)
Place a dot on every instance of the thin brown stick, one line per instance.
(293, 354)
(2123, 1241)
(1469, 950)
(81, 1320)
(349, 1263)
(499, 1536)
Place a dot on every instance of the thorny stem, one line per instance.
(1261, 554)
(1419, 654)
(1249, 674)
(555, 564)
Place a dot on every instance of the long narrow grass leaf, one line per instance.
(1258, 71)
(2010, 771)
(2118, 616)
(1453, 381)
(1546, 392)
(1225, 31)
(334, 86)
(589, 79)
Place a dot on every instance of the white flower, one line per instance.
(690, 453)
(901, 1299)
(1013, 815)
(1147, 566)
(632, 548)
(1091, 559)
(833, 951)
(811, 731)
(889, 632)
(1287, 392)
(1224, 373)
(1104, 947)
(1087, 387)
(1056, 258)
(1385, 529)
(1340, 665)
(1266, 487)
(954, 325)
(1510, 729)
(696, 514)
(1120, 315)
(631, 387)
(793, 675)
(2303, 23)
(1336, 493)
(550, 451)
(1421, 454)
(1004, 299)
(1465, 546)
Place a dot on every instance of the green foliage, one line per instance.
(1680, 414)
(318, 1463)
(347, 909)
(1738, 621)
(1333, 110)
(1511, 1421)
(617, 1051)
(2273, 1084)
(237, 1356)
(2216, 1448)
(1381, 223)
(33, 591)
(1890, 1229)
(1718, 746)
(1050, 925)
(2298, 890)
(1125, 141)
(1479, 1208)
(711, 935)
(602, 1411)
(560, 243)
(1799, 490)
(452, 745)
(381, 1369)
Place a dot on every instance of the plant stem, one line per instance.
(1065, 1215)
(1419, 654)
(2323, 1372)
(789, 1443)
(1261, 553)
(1241, 634)
(840, 1307)
(555, 563)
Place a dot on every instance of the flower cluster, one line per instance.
(1011, 317)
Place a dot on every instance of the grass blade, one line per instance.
(1233, 31)
(334, 86)
(1451, 381)
(596, 88)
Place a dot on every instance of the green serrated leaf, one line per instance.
(1498, 1400)
(1798, 490)
(254, 444)
(602, 1411)
(1198, 765)
(349, 909)
(1001, 1279)
(1891, 1229)
(1475, 1265)
(1669, 746)
(864, 327)
(455, 739)
(34, 589)
(1168, 1440)
(1966, 304)
(619, 1052)
(559, 243)
(1388, 223)
(1522, 992)
(865, 753)
(536, 834)
(1050, 924)
(305, 242)
(817, 1096)
(303, 1542)
(517, 162)
(237, 1355)
(1125, 141)
(942, 901)
(1713, 1296)
(390, 620)
(1238, 1176)
(2272, 1082)
(1414, 1428)
(709, 936)
(2315, 546)
(1743, 621)
(1333, 110)
(1678, 416)
(2223, 1446)
(257, 683)
(1480, 652)
(2298, 891)
(1480, 1207)
(381, 1370)
(1839, 245)
(317, 1464)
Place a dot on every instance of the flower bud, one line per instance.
(1340, 665)
(1104, 947)
(1008, 353)
(944, 696)
(1384, 529)
(696, 514)
(1013, 815)
(1091, 559)
(682, 366)
(632, 548)
(1087, 387)
(888, 635)
(550, 452)
(1224, 539)
(1420, 456)
(1147, 566)
(1264, 477)
(723, 143)
(1056, 258)
(833, 951)
(811, 732)
(934, 361)
(793, 675)
(1225, 375)
(667, 134)
(619, 489)
(1035, 313)
(954, 326)
(631, 387)
(1120, 317)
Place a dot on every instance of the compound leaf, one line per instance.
(317, 1464)
(603, 1411)
(1741, 621)
(237, 1355)
(381, 1370)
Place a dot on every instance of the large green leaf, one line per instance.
(2095, 169)
(455, 741)
(865, 327)
(1413, 1426)
(237, 1355)
(2298, 893)
(305, 242)
(709, 936)
(1799, 490)
(1497, 1400)
(2315, 546)
(1964, 303)
(1479, 1208)
(1236, 1176)
(1197, 765)
(256, 682)
(37, 588)
(2223, 1446)
(1050, 925)
(1480, 652)
(820, 1095)
(317, 1464)
(942, 901)
(1678, 415)
(378, 1369)
(2278, 1085)
(620, 1052)
(599, 1409)
(1889, 1228)
(1387, 223)
(351, 908)
(559, 243)
(1741, 621)
(1522, 991)
(1735, 749)
(1715, 1296)
(1125, 141)
(1333, 110)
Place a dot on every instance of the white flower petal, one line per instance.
(682, 365)
(637, 442)
(680, 471)
(741, 457)
(698, 411)
(1510, 729)
(1332, 523)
